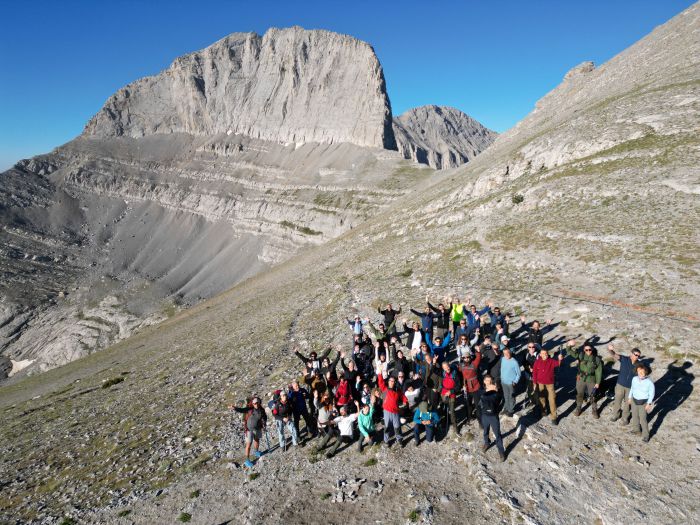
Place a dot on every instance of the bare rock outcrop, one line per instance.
(442, 137)
(290, 85)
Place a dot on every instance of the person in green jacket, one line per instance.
(589, 377)
(365, 422)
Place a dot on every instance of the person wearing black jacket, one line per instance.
(442, 319)
(283, 411)
(535, 334)
(533, 350)
(299, 397)
(389, 315)
(401, 364)
(490, 404)
(491, 362)
(312, 361)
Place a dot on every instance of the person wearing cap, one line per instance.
(471, 385)
(424, 420)
(510, 377)
(589, 377)
(640, 400)
(356, 325)
(255, 420)
(543, 381)
(628, 370)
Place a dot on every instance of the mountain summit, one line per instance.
(290, 85)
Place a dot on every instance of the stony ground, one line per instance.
(584, 213)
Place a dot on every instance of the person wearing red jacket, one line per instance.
(471, 385)
(393, 397)
(543, 381)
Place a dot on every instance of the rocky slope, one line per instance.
(573, 215)
(189, 181)
(439, 136)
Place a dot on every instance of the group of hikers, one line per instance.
(456, 357)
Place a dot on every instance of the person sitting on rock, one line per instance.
(640, 400)
(590, 374)
(426, 421)
(345, 424)
(490, 405)
(628, 370)
(254, 421)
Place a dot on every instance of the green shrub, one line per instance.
(517, 198)
(184, 517)
(112, 382)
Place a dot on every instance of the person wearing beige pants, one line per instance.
(543, 381)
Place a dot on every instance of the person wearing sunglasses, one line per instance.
(628, 370)
(589, 376)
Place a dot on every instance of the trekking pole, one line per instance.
(267, 439)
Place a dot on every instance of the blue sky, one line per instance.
(491, 59)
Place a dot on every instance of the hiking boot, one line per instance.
(485, 447)
(596, 415)
(635, 431)
(502, 456)
(257, 454)
(624, 422)
(578, 411)
(417, 443)
(248, 463)
(555, 421)
(615, 417)
(645, 439)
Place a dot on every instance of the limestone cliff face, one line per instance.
(440, 136)
(290, 85)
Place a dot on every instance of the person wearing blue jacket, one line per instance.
(424, 419)
(426, 320)
(510, 376)
(439, 347)
(473, 317)
(628, 369)
(641, 399)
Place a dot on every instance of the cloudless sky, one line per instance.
(60, 60)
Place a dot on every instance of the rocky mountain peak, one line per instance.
(290, 86)
(580, 70)
(440, 136)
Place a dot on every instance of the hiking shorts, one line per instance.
(253, 435)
